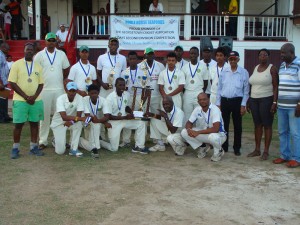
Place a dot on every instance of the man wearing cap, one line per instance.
(153, 69)
(232, 96)
(180, 61)
(207, 63)
(61, 35)
(26, 79)
(195, 83)
(55, 66)
(83, 73)
(68, 116)
(109, 67)
(171, 81)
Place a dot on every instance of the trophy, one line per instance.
(110, 78)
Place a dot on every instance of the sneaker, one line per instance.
(136, 149)
(36, 151)
(157, 147)
(144, 151)
(14, 153)
(217, 157)
(203, 151)
(179, 150)
(125, 145)
(76, 153)
(95, 153)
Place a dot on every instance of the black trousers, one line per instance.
(3, 109)
(232, 106)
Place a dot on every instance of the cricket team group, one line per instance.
(185, 103)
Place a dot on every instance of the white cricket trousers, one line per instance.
(60, 133)
(190, 102)
(92, 134)
(215, 139)
(119, 125)
(160, 131)
(49, 98)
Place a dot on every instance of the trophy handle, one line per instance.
(148, 102)
(134, 97)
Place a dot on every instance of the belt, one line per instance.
(232, 99)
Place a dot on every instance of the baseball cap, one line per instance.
(148, 50)
(71, 86)
(113, 39)
(62, 25)
(50, 36)
(84, 47)
(233, 54)
(207, 49)
(177, 47)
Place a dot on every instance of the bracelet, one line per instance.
(76, 118)
(276, 103)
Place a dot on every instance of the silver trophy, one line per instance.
(110, 78)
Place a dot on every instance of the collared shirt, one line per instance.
(64, 105)
(176, 117)
(207, 119)
(194, 83)
(117, 104)
(233, 84)
(167, 82)
(97, 109)
(205, 72)
(289, 84)
(134, 79)
(82, 75)
(4, 70)
(214, 76)
(180, 64)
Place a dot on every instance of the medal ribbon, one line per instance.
(218, 70)
(173, 113)
(94, 111)
(193, 74)
(29, 71)
(207, 121)
(86, 73)
(133, 81)
(120, 105)
(51, 62)
(170, 81)
(150, 73)
(181, 64)
(112, 65)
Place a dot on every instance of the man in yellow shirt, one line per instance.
(26, 80)
(233, 10)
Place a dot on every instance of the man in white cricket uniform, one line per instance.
(109, 67)
(61, 35)
(171, 81)
(206, 64)
(195, 83)
(69, 108)
(83, 73)
(95, 107)
(209, 130)
(167, 124)
(121, 117)
(153, 68)
(180, 61)
(55, 66)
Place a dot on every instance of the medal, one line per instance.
(29, 71)
(119, 114)
(51, 62)
(170, 80)
(111, 63)
(112, 72)
(170, 88)
(192, 81)
(87, 80)
(193, 73)
(132, 88)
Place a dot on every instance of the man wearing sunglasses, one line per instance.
(55, 66)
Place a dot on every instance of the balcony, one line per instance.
(195, 26)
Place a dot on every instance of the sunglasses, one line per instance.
(51, 40)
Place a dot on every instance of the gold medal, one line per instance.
(87, 80)
(170, 88)
(29, 80)
(119, 114)
(192, 81)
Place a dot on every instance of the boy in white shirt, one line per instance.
(209, 129)
(83, 73)
(7, 23)
(180, 61)
(95, 106)
(171, 81)
(69, 108)
(61, 35)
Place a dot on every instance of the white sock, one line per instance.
(160, 142)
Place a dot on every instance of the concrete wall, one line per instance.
(60, 12)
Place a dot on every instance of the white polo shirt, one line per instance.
(53, 74)
(117, 104)
(134, 79)
(206, 69)
(62, 35)
(176, 77)
(207, 119)
(153, 74)
(180, 64)
(107, 62)
(214, 75)
(176, 116)
(95, 109)
(82, 75)
(64, 105)
(193, 77)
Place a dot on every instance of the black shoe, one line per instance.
(95, 153)
(237, 152)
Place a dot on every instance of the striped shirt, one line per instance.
(289, 84)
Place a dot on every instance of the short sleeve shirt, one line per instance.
(53, 74)
(62, 35)
(117, 104)
(134, 78)
(28, 84)
(165, 79)
(64, 105)
(82, 75)
(95, 109)
(176, 116)
(193, 77)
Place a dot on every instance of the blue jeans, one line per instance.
(289, 134)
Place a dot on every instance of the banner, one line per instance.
(138, 33)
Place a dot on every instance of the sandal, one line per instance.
(254, 153)
(292, 164)
(264, 156)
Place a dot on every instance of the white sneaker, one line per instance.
(179, 150)
(203, 151)
(157, 147)
(217, 157)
